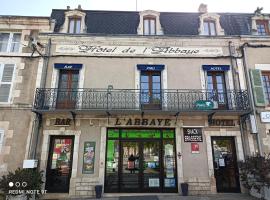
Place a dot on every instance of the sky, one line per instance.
(44, 7)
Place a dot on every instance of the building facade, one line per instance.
(18, 72)
(140, 102)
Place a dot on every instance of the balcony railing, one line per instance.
(47, 99)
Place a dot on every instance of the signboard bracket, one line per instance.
(73, 114)
(210, 116)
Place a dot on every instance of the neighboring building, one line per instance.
(18, 72)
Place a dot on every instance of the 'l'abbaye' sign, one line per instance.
(171, 51)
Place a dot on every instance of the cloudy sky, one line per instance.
(43, 7)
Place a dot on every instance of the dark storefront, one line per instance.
(141, 160)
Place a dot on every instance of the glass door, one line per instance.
(150, 90)
(225, 164)
(217, 88)
(59, 164)
(67, 88)
(130, 163)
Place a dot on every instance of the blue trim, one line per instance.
(216, 67)
(144, 67)
(67, 66)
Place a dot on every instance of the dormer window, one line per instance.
(74, 25)
(209, 27)
(149, 25)
(262, 27)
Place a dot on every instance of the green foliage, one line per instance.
(255, 172)
(32, 177)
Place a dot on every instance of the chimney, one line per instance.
(202, 8)
(79, 7)
(68, 7)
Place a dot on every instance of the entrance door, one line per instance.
(59, 164)
(225, 164)
(217, 88)
(150, 90)
(67, 88)
(140, 166)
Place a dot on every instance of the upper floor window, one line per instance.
(209, 27)
(149, 25)
(266, 85)
(74, 25)
(6, 77)
(10, 42)
(262, 27)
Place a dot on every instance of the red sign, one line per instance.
(195, 148)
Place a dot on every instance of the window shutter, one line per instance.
(257, 87)
(6, 82)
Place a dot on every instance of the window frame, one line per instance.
(2, 65)
(10, 42)
(149, 18)
(76, 19)
(265, 23)
(208, 22)
(266, 93)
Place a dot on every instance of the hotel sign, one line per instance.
(156, 51)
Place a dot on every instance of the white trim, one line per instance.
(137, 84)
(155, 14)
(263, 67)
(164, 83)
(229, 78)
(203, 78)
(102, 158)
(179, 160)
(71, 13)
(215, 18)
(241, 74)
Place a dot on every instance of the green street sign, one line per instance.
(204, 105)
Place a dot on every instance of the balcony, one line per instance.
(132, 101)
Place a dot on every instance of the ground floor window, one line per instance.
(140, 160)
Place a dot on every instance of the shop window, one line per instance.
(266, 85)
(6, 77)
(149, 25)
(74, 25)
(10, 42)
(262, 27)
(209, 27)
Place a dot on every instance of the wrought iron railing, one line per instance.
(129, 99)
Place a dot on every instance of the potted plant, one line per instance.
(255, 175)
(22, 184)
(184, 188)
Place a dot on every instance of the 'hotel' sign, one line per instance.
(156, 51)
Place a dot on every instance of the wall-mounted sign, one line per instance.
(88, 158)
(150, 67)
(171, 51)
(265, 116)
(216, 67)
(67, 66)
(142, 122)
(221, 122)
(195, 148)
(62, 122)
(204, 105)
(193, 135)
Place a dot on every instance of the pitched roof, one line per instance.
(173, 23)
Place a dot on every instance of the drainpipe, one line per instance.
(38, 117)
(250, 92)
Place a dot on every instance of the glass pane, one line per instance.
(71, 26)
(212, 28)
(152, 27)
(206, 28)
(144, 78)
(151, 164)
(156, 78)
(78, 26)
(4, 37)
(16, 37)
(145, 86)
(111, 180)
(146, 30)
(130, 168)
(169, 164)
(156, 87)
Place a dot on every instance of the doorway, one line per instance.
(140, 161)
(225, 164)
(59, 165)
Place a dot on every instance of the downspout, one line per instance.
(250, 92)
(235, 74)
(37, 123)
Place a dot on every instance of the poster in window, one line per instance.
(88, 158)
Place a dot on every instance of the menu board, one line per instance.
(193, 135)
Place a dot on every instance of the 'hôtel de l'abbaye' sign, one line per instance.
(172, 51)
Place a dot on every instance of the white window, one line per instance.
(6, 77)
(74, 25)
(149, 25)
(209, 27)
(10, 42)
(1, 138)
